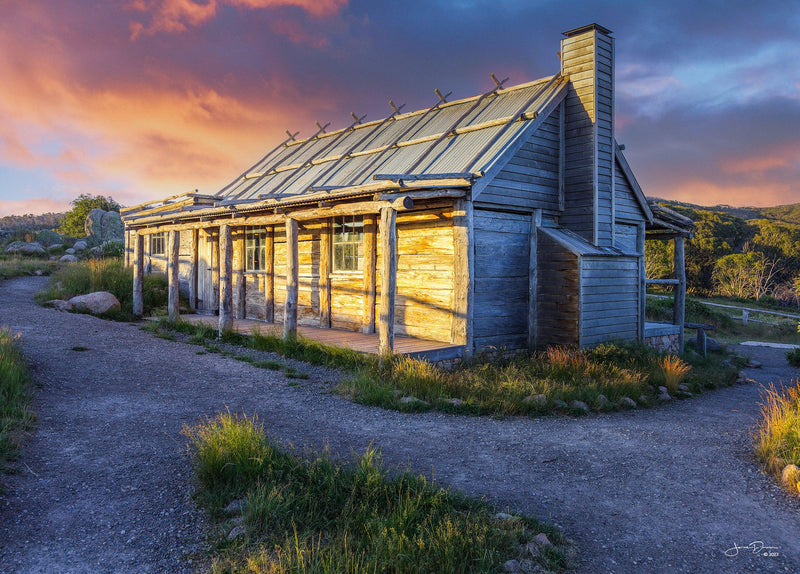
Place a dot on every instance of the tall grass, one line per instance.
(314, 514)
(15, 414)
(109, 275)
(17, 266)
(777, 438)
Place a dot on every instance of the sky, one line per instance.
(143, 99)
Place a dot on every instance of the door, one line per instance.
(207, 272)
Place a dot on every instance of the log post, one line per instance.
(463, 271)
(193, 268)
(138, 273)
(225, 276)
(678, 311)
(128, 247)
(172, 276)
(215, 270)
(388, 233)
(370, 271)
(239, 264)
(324, 285)
(533, 280)
(290, 308)
(269, 275)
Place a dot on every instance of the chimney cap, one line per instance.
(582, 29)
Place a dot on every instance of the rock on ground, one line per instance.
(96, 303)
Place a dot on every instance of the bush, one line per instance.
(15, 415)
(793, 357)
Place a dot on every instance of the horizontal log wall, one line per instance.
(559, 294)
(502, 247)
(610, 306)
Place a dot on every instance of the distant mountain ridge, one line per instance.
(784, 213)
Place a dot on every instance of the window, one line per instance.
(158, 244)
(348, 233)
(255, 248)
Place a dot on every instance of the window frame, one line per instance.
(158, 243)
(347, 237)
(255, 251)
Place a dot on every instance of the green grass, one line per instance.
(526, 384)
(18, 266)
(317, 515)
(534, 383)
(15, 414)
(777, 439)
(110, 275)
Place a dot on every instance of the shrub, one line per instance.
(777, 439)
(15, 415)
(674, 371)
(793, 357)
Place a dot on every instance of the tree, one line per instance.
(74, 220)
(659, 258)
(746, 275)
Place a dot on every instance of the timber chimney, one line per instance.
(587, 58)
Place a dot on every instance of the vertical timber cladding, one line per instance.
(587, 57)
(559, 296)
(424, 296)
(307, 274)
(610, 292)
(502, 258)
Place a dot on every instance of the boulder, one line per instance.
(103, 226)
(55, 246)
(33, 248)
(579, 406)
(96, 303)
(60, 305)
(80, 245)
(69, 258)
(70, 251)
(538, 400)
(14, 246)
(48, 237)
(627, 402)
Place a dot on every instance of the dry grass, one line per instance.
(15, 414)
(674, 371)
(777, 439)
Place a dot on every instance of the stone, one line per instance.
(55, 246)
(560, 404)
(92, 225)
(643, 400)
(526, 566)
(237, 531)
(627, 402)
(580, 406)
(236, 506)
(503, 516)
(542, 539)
(48, 238)
(539, 400)
(663, 395)
(511, 566)
(602, 401)
(790, 475)
(60, 305)
(96, 303)
(14, 246)
(80, 245)
(95, 251)
(68, 258)
(754, 364)
(411, 399)
(683, 387)
(455, 402)
(33, 248)
(103, 226)
(69, 251)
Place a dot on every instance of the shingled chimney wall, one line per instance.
(587, 58)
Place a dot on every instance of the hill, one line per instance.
(782, 213)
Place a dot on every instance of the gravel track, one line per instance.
(106, 483)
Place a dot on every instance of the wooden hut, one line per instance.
(510, 219)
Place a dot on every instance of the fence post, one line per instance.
(745, 316)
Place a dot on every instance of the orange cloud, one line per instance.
(175, 16)
(707, 192)
(776, 158)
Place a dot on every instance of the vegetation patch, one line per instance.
(19, 266)
(15, 414)
(314, 514)
(793, 357)
(110, 275)
(777, 439)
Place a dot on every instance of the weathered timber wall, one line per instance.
(610, 306)
(502, 248)
(627, 207)
(559, 294)
(531, 177)
(424, 298)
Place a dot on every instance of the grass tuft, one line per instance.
(314, 514)
(777, 438)
(674, 371)
(15, 414)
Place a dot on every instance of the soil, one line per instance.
(105, 482)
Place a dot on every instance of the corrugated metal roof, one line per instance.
(451, 137)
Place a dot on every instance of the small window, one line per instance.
(158, 244)
(348, 234)
(255, 248)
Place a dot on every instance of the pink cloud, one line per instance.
(175, 16)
